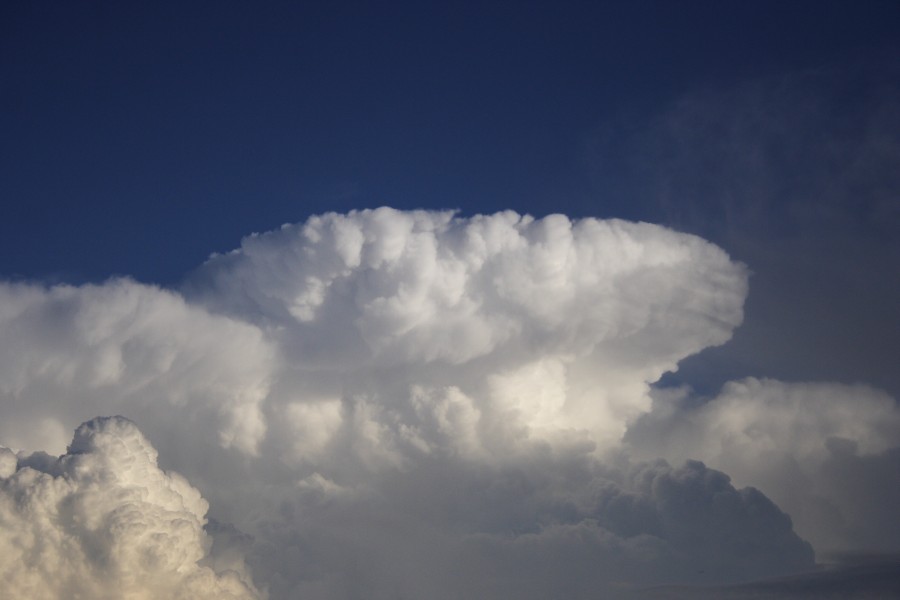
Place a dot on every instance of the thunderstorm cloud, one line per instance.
(386, 404)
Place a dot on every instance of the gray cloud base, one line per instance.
(827, 453)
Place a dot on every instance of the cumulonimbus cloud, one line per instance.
(392, 403)
(560, 324)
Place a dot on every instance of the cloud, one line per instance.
(872, 579)
(644, 524)
(442, 528)
(103, 521)
(71, 353)
(827, 453)
(805, 154)
(417, 404)
(795, 173)
(592, 310)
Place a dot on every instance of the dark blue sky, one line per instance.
(139, 137)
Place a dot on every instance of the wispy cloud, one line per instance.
(795, 174)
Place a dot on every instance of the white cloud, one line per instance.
(103, 521)
(429, 299)
(385, 404)
(70, 353)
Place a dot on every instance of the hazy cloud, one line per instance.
(795, 174)
(875, 578)
(442, 528)
(827, 453)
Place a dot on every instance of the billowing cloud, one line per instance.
(71, 353)
(103, 521)
(386, 404)
(556, 324)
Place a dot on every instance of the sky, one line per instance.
(430, 300)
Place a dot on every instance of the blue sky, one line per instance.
(139, 138)
(678, 371)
